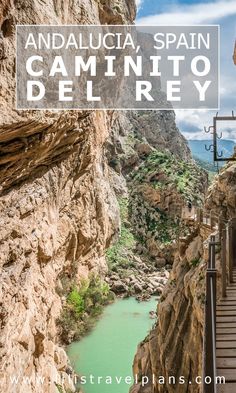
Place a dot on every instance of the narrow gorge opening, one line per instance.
(158, 194)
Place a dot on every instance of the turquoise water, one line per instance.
(108, 351)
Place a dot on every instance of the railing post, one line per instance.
(223, 262)
(212, 253)
(220, 226)
(199, 215)
(211, 220)
(209, 350)
(230, 251)
(209, 353)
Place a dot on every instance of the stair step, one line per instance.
(226, 345)
(229, 374)
(226, 353)
(226, 308)
(226, 319)
(225, 330)
(226, 325)
(226, 313)
(226, 388)
(226, 299)
(226, 337)
(226, 363)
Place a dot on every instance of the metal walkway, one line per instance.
(226, 338)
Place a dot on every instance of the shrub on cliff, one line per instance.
(76, 300)
(161, 187)
(186, 176)
(119, 254)
(83, 304)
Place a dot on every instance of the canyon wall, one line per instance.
(150, 165)
(161, 178)
(56, 222)
(174, 346)
(58, 211)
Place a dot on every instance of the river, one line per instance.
(108, 351)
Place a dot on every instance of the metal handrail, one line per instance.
(223, 263)
(209, 344)
(213, 327)
(209, 360)
(225, 231)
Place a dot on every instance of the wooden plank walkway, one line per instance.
(226, 339)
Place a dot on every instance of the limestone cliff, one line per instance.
(148, 149)
(174, 346)
(136, 133)
(58, 211)
(222, 193)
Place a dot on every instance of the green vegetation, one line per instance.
(83, 305)
(195, 262)
(62, 390)
(118, 254)
(163, 168)
(76, 300)
(162, 227)
(59, 388)
(156, 214)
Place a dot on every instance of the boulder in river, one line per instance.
(119, 287)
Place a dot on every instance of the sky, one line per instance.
(222, 12)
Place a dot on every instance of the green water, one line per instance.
(110, 348)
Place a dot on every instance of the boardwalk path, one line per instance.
(226, 339)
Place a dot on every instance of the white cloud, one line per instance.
(202, 118)
(193, 137)
(138, 3)
(198, 118)
(191, 14)
(228, 87)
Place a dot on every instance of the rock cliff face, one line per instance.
(58, 211)
(174, 346)
(57, 221)
(222, 193)
(48, 12)
(136, 133)
(148, 149)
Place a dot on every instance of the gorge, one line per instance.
(93, 205)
